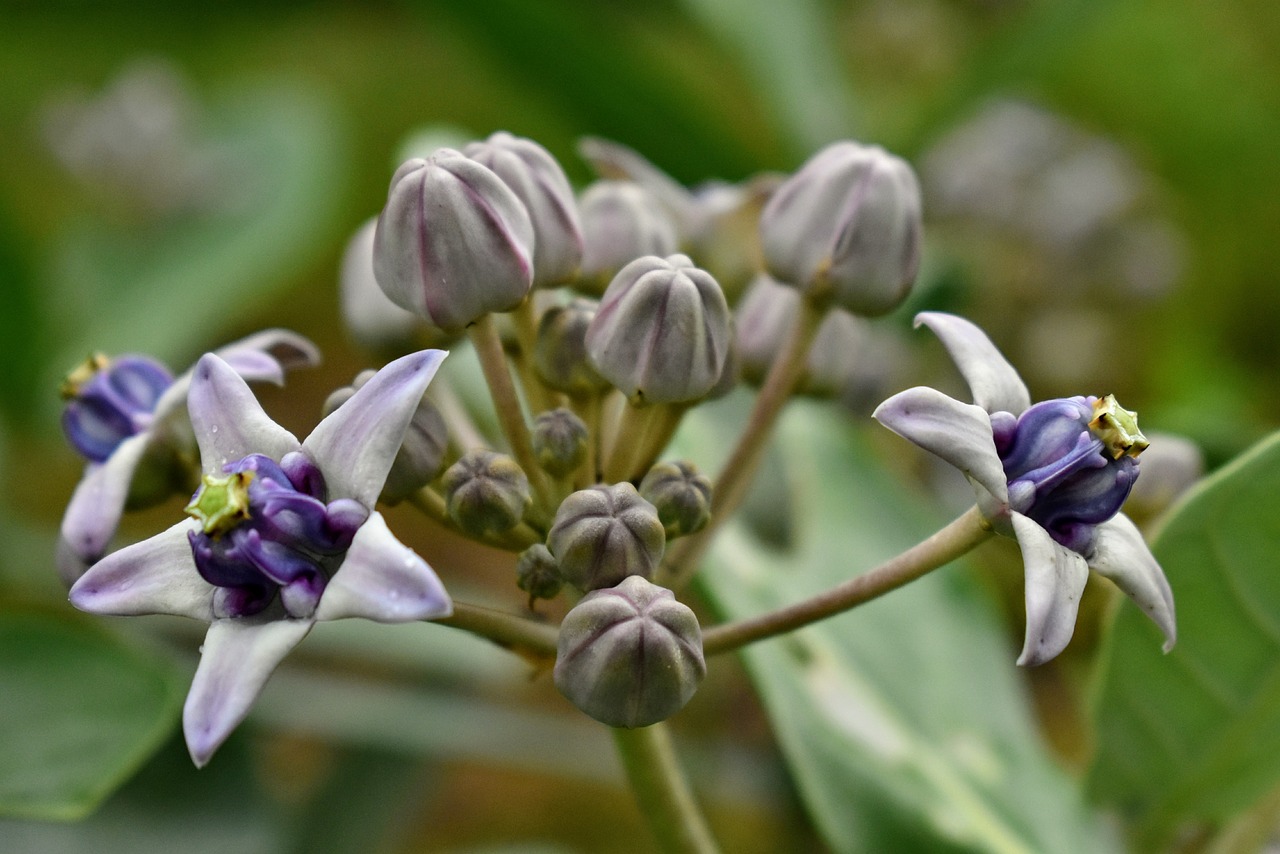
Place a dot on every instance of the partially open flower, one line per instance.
(602, 534)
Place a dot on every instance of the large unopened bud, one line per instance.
(454, 242)
(535, 176)
(602, 534)
(630, 655)
(486, 493)
(661, 334)
(846, 227)
(621, 222)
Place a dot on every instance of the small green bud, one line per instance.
(560, 353)
(538, 574)
(559, 441)
(486, 493)
(603, 534)
(681, 496)
(621, 222)
(630, 655)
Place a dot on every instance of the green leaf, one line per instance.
(1195, 735)
(80, 710)
(904, 722)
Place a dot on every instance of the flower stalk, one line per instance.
(661, 790)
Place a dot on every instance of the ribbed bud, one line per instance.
(661, 334)
(538, 574)
(486, 493)
(560, 353)
(535, 176)
(681, 496)
(603, 534)
(846, 227)
(454, 242)
(630, 655)
(559, 441)
(621, 222)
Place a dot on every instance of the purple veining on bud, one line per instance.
(110, 400)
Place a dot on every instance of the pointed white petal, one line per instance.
(268, 354)
(155, 576)
(995, 385)
(98, 501)
(1121, 555)
(1055, 579)
(355, 446)
(235, 661)
(959, 433)
(228, 420)
(382, 579)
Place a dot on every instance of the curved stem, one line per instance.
(663, 794)
(958, 537)
(520, 634)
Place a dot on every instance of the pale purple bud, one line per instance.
(602, 534)
(621, 222)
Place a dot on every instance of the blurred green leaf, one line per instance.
(904, 722)
(1195, 735)
(80, 710)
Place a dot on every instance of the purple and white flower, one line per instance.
(121, 412)
(1052, 475)
(284, 534)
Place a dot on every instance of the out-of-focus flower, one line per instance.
(284, 534)
(129, 420)
(1052, 475)
(621, 221)
(368, 314)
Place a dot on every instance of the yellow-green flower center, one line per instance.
(1117, 427)
(221, 503)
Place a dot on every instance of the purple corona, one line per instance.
(110, 400)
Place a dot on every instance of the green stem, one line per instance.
(516, 633)
(959, 537)
(524, 319)
(664, 796)
(637, 423)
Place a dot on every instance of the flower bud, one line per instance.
(486, 493)
(371, 318)
(454, 242)
(681, 496)
(846, 227)
(725, 232)
(560, 353)
(661, 334)
(538, 574)
(559, 441)
(603, 534)
(630, 655)
(535, 176)
(621, 221)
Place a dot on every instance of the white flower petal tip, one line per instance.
(228, 421)
(959, 433)
(1055, 580)
(286, 351)
(235, 661)
(155, 576)
(1121, 555)
(995, 384)
(382, 579)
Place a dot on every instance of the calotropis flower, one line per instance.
(284, 534)
(1052, 475)
(123, 411)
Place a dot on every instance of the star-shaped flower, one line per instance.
(284, 534)
(1052, 475)
(122, 412)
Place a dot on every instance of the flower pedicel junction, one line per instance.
(610, 335)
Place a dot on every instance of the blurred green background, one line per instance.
(1102, 194)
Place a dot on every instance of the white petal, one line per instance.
(382, 579)
(959, 433)
(235, 661)
(1055, 579)
(98, 501)
(355, 446)
(1121, 555)
(995, 385)
(268, 354)
(228, 420)
(155, 576)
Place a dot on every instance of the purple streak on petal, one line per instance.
(228, 421)
(959, 433)
(1120, 554)
(301, 595)
(155, 576)
(303, 474)
(1055, 580)
(382, 579)
(237, 658)
(98, 501)
(355, 446)
(995, 385)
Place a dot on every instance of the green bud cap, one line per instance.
(221, 503)
(603, 534)
(486, 493)
(560, 352)
(681, 496)
(559, 441)
(538, 574)
(661, 334)
(621, 221)
(1117, 427)
(630, 655)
